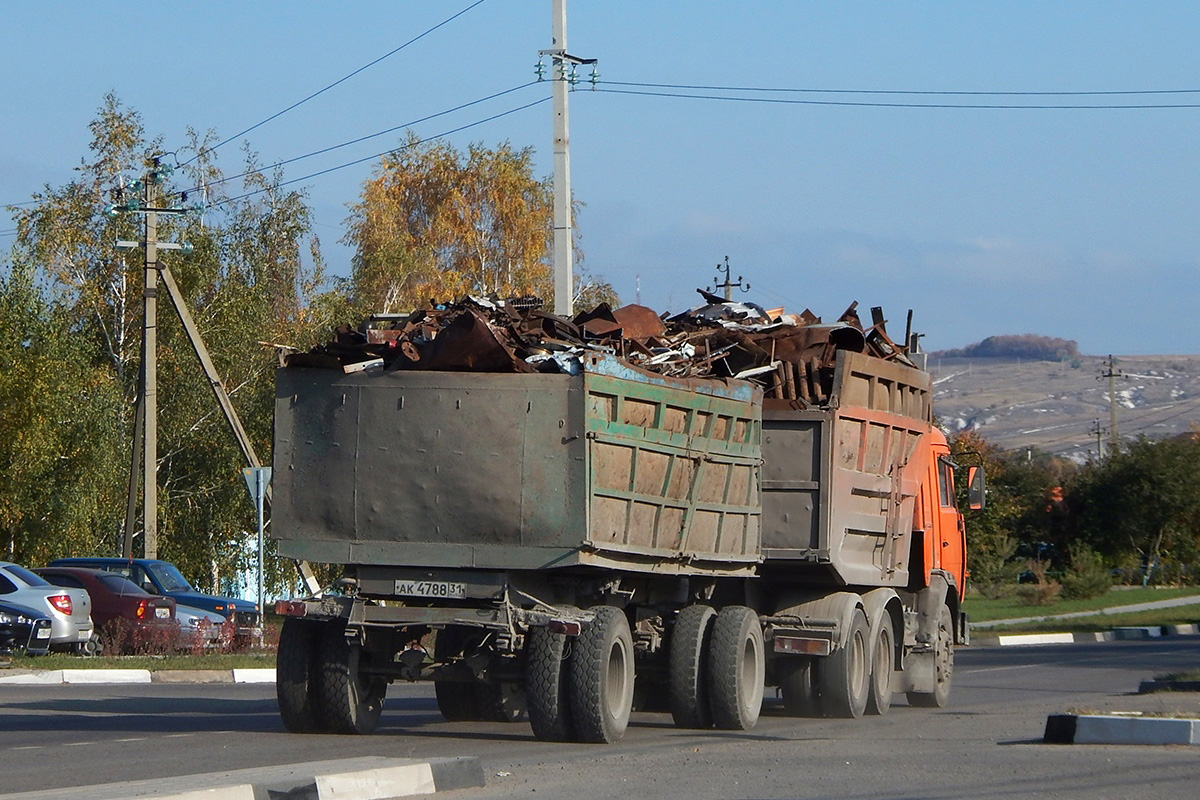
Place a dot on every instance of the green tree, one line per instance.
(255, 277)
(1142, 504)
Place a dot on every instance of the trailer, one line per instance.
(567, 547)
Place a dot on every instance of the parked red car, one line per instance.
(127, 617)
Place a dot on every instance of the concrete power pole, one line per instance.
(1112, 373)
(562, 77)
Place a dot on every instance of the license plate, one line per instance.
(431, 589)
(43, 633)
(162, 613)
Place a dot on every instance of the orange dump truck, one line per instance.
(564, 548)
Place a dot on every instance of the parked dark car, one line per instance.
(23, 628)
(127, 617)
(162, 577)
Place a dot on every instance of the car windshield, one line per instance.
(169, 578)
(120, 585)
(25, 576)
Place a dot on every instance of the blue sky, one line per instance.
(1074, 223)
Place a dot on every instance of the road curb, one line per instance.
(1123, 729)
(366, 778)
(1114, 635)
(52, 677)
(1150, 687)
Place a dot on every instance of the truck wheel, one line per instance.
(601, 677)
(501, 701)
(456, 700)
(736, 669)
(796, 684)
(348, 701)
(883, 663)
(546, 685)
(943, 665)
(688, 688)
(295, 666)
(844, 676)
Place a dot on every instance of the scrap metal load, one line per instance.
(792, 356)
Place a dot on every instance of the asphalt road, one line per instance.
(987, 744)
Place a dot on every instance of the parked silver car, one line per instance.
(70, 610)
(198, 627)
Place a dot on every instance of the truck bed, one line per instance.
(614, 467)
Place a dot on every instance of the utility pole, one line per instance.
(727, 285)
(562, 76)
(1112, 373)
(1098, 432)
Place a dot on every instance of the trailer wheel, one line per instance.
(844, 676)
(883, 663)
(295, 666)
(736, 669)
(601, 677)
(796, 683)
(347, 700)
(546, 685)
(943, 665)
(688, 688)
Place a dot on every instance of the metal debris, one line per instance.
(792, 356)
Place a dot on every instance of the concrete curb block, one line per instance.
(367, 778)
(110, 676)
(1103, 729)
(1116, 634)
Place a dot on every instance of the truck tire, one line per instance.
(883, 663)
(349, 702)
(796, 684)
(601, 677)
(295, 666)
(546, 685)
(457, 701)
(736, 669)
(844, 676)
(688, 668)
(943, 665)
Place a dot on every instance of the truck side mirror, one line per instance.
(976, 489)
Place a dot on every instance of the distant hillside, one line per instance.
(1027, 346)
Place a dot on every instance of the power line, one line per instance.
(343, 79)
(379, 155)
(867, 104)
(805, 90)
(360, 139)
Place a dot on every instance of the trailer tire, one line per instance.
(796, 685)
(736, 669)
(295, 666)
(943, 665)
(601, 677)
(883, 663)
(844, 676)
(546, 685)
(688, 667)
(348, 701)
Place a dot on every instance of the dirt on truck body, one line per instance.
(562, 519)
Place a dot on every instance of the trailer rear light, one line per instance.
(564, 626)
(802, 645)
(291, 608)
(61, 602)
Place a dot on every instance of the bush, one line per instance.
(1087, 576)
(1044, 590)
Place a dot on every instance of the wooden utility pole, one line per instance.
(1112, 373)
(728, 285)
